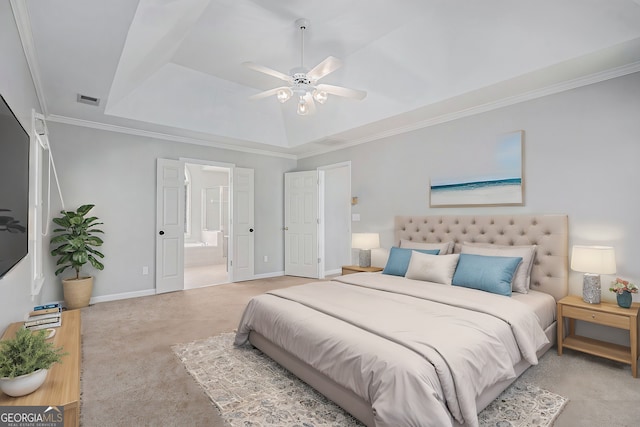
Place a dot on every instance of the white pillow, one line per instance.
(432, 268)
(444, 247)
(522, 276)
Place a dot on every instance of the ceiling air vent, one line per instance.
(85, 99)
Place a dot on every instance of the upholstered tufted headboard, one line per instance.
(548, 232)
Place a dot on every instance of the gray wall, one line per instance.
(17, 88)
(582, 149)
(117, 173)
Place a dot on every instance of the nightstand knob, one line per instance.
(593, 316)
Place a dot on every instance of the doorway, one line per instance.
(206, 225)
(318, 221)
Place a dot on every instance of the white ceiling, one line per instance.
(173, 68)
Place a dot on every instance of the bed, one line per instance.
(399, 351)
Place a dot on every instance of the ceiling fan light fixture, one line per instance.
(283, 95)
(320, 96)
(303, 108)
(303, 82)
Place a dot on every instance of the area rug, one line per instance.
(251, 390)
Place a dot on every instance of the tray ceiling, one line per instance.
(174, 68)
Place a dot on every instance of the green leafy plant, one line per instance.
(76, 240)
(26, 353)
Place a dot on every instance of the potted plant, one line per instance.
(25, 360)
(76, 242)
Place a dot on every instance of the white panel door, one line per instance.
(242, 262)
(301, 224)
(169, 226)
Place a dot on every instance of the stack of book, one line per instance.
(44, 316)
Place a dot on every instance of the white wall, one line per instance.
(582, 155)
(17, 88)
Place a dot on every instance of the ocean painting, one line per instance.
(498, 181)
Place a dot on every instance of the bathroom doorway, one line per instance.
(206, 236)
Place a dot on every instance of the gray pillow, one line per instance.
(444, 247)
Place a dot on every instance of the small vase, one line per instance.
(624, 299)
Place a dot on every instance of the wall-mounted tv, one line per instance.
(14, 189)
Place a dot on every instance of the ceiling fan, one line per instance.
(303, 83)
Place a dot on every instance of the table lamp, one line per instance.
(593, 261)
(365, 242)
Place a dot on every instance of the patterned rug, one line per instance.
(251, 390)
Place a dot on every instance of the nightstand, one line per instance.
(608, 314)
(348, 269)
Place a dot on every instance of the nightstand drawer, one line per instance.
(607, 319)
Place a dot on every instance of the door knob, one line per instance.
(161, 233)
(251, 230)
(286, 229)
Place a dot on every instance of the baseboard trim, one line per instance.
(125, 295)
(147, 292)
(333, 272)
(268, 275)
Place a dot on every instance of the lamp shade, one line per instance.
(365, 240)
(593, 259)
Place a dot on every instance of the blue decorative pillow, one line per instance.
(399, 258)
(486, 273)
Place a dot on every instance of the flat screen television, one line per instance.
(14, 189)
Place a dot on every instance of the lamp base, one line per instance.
(364, 258)
(591, 288)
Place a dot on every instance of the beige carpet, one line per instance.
(251, 390)
(132, 377)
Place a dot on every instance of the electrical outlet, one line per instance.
(145, 270)
(266, 258)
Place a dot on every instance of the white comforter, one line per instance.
(420, 353)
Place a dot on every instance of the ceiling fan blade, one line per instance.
(267, 70)
(329, 65)
(342, 91)
(267, 93)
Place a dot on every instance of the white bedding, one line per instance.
(419, 352)
(543, 305)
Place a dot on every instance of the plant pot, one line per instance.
(77, 292)
(624, 299)
(24, 384)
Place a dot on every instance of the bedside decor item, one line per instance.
(593, 261)
(76, 242)
(365, 242)
(623, 290)
(25, 360)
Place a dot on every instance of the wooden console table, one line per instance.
(62, 386)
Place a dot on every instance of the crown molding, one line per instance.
(23, 23)
(164, 136)
(613, 73)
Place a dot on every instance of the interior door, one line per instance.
(301, 224)
(169, 226)
(242, 262)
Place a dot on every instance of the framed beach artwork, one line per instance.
(497, 177)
